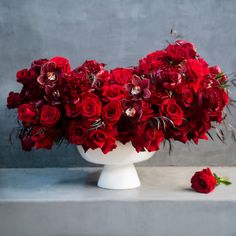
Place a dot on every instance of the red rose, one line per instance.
(158, 95)
(62, 63)
(111, 112)
(90, 106)
(186, 96)
(13, 100)
(203, 181)
(72, 110)
(49, 116)
(43, 137)
(102, 139)
(122, 75)
(172, 110)
(113, 91)
(212, 99)
(147, 137)
(194, 72)
(76, 132)
(27, 114)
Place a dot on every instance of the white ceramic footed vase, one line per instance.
(119, 171)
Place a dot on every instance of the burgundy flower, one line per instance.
(138, 88)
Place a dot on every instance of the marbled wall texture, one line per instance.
(117, 33)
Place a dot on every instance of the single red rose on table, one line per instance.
(172, 110)
(27, 113)
(49, 115)
(205, 181)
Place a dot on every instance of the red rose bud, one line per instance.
(205, 182)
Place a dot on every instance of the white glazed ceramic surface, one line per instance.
(119, 171)
(122, 155)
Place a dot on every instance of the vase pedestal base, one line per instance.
(119, 177)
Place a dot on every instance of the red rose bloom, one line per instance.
(194, 72)
(49, 116)
(187, 96)
(62, 63)
(27, 114)
(76, 132)
(203, 181)
(72, 110)
(122, 75)
(90, 106)
(172, 110)
(113, 92)
(102, 139)
(111, 112)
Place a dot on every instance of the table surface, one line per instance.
(79, 184)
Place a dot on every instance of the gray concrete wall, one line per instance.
(117, 33)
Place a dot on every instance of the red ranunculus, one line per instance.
(203, 181)
(62, 63)
(23, 76)
(122, 75)
(49, 116)
(172, 110)
(180, 51)
(76, 132)
(111, 112)
(27, 114)
(90, 106)
(92, 66)
(13, 100)
(169, 78)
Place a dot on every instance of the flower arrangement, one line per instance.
(172, 94)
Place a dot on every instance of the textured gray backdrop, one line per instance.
(117, 33)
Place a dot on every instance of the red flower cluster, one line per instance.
(171, 94)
